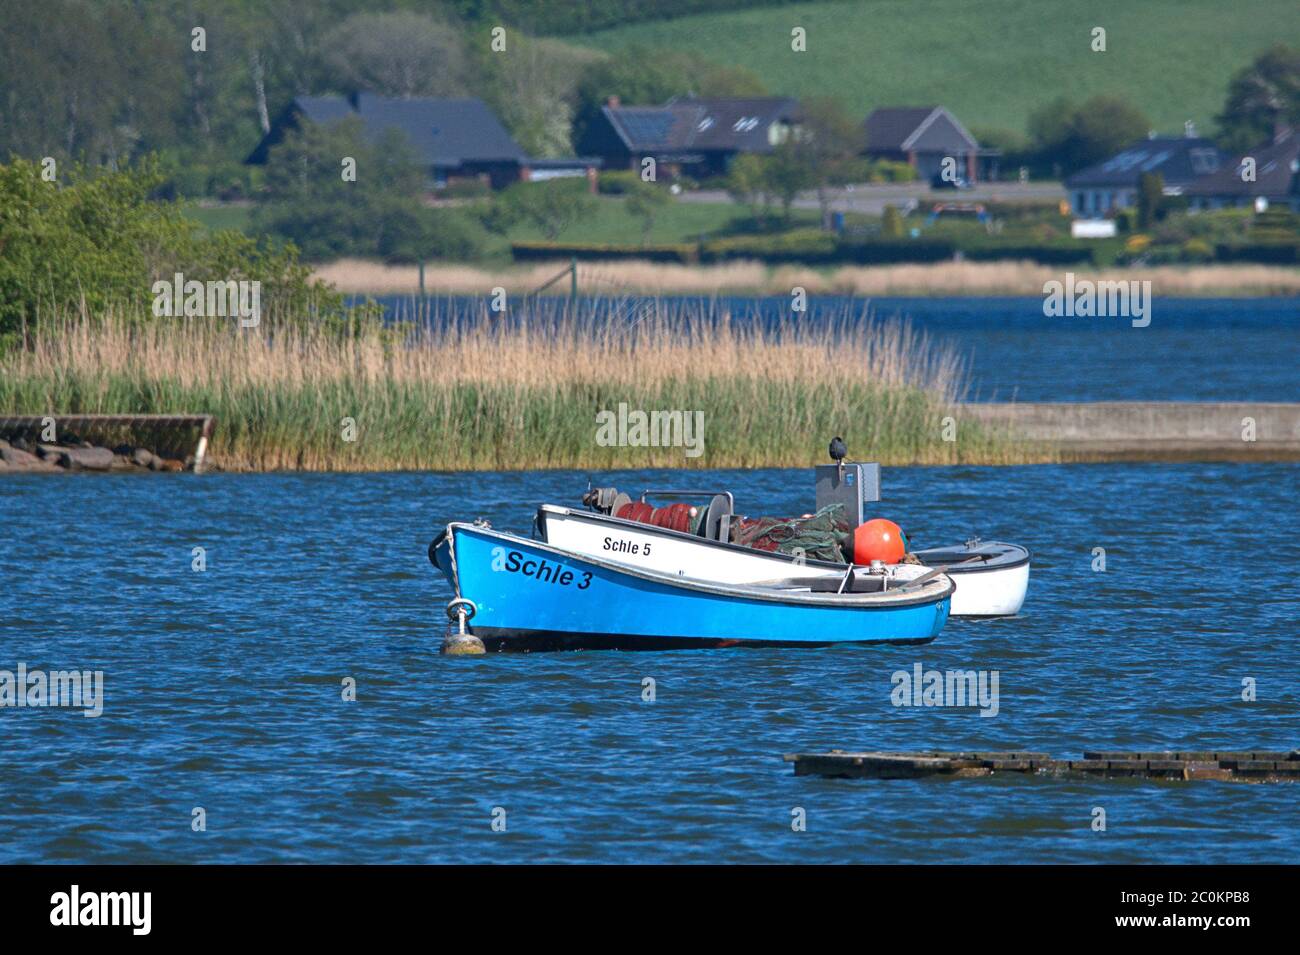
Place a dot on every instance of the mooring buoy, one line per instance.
(459, 642)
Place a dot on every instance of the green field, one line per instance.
(678, 221)
(992, 63)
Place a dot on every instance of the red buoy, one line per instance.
(878, 539)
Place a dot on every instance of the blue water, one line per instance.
(223, 688)
(1193, 350)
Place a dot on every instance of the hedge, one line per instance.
(583, 16)
(1264, 253)
(684, 253)
(1046, 254)
(800, 245)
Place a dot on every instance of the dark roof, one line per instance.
(701, 124)
(1277, 172)
(1178, 159)
(443, 132)
(917, 128)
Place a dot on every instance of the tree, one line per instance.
(1260, 98)
(551, 206)
(309, 202)
(787, 174)
(826, 142)
(747, 184)
(645, 201)
(400, 54)
(532, 86)
(1069, 137)
(99, 241)
(1151, 192)
(85, 80)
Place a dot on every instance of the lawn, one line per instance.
(992, 63)
(677, 222)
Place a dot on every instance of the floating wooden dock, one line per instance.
(1151, 430)
(1262, 766)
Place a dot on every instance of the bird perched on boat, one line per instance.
(838, 450)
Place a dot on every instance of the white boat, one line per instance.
(991, 576)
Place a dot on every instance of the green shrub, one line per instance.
(1126, 220)
(887, 170)
(617, 182)
(891, 223)
(465, 188)
(96, 239)
(420, 234)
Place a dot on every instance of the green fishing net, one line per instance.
(820, 537)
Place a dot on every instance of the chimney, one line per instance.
(612, 102)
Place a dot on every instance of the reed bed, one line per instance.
(941, 278)
(475, 392)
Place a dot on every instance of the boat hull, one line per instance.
(529, 595)
(983, 590)
(996, 592)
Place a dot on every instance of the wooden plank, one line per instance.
(1127, 767)
(1167, 765)
(1009, 765)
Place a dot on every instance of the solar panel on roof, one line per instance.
(1157, 159)
(648, 127)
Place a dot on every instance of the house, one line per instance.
(695, 136)
(922, 137)
(453, 138)
(1267, 176)
(1101, 189)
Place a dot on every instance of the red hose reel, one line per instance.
(674, 517)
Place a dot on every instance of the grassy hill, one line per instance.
(993, 62)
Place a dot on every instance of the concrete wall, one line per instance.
(1154, 430)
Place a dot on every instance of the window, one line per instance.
(1204, 161)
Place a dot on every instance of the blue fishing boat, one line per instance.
(520, 594)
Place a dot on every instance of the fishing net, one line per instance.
(819, 537)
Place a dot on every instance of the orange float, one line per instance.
(878, 539)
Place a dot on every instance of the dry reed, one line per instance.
(465, 393)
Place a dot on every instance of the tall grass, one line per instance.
(463, 392)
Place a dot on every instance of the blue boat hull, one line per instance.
(529, 596)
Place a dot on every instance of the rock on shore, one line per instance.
(23, 457)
